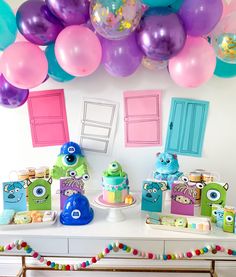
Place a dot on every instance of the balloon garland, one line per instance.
(82, 34)
(115, 247)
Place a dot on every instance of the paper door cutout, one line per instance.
(142, 118)
(48, 120)
(14, 196)
(183, 195)
(186, 127)
(68, 187)
(99, 121)
(152, 194)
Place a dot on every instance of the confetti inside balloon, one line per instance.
(224, 39)
(115, 19)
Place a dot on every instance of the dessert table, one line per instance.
(80, 242)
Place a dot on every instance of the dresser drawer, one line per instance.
(92, 247)
(45, 246)
(185, 246)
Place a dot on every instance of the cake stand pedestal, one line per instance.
(115, 211)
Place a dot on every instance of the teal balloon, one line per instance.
(177, 5)
(158, 3)
(54, 69)
(225, 70)
(8, 27)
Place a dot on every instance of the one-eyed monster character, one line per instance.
(114, 170)
(14, 196)
(167, 168)
(212, 193)
(152, 195)
(229, 218)
(70, 162)
(219, 217)
(39, 194)
(181, 222)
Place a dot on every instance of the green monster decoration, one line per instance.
(39, 194)
(214, 208)
(114, 170)
(229, 218)
(70, 162)
(212, 193)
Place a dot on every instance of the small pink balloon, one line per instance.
(24, 65)
(78, 50)
(194, 65)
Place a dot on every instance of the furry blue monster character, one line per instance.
(70, 162)
(152, 195)
(167, 168)
(14, 196)
(219, 217)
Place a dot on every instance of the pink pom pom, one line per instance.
(189, 254)
(41, 260)
(83, 265)
(107, 251)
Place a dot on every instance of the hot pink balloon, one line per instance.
(24, 65)
(78, 50)
(194, 65)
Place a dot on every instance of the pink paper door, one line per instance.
(142, 118)
(48, 119)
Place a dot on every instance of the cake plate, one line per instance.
(115, 211)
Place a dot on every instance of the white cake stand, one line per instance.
(115, 211)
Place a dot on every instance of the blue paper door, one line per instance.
(186, 127)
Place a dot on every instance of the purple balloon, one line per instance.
(71, 12)
(36, 23)
(161, 36)
(121, 58)
(200, 16)
(10, 96)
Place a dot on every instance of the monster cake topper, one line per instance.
(39, 194)
(114, 170)
(212, 193)
(152, 195)
(14, 196)
(167, 168)
(70, 162)
(183, 195)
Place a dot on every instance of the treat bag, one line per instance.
(14, 196)
(152, 194)
(183, 196)
(68, 187)
(39, 194)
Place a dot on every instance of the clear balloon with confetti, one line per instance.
(115, 19)
(224, 39)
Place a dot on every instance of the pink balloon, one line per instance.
(229, 7)
(24, 65)
(194, 65)
(78, 50)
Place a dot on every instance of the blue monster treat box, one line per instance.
(77, 211)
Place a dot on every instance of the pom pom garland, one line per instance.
(115, 247)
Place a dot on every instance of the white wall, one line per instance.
(219, 149)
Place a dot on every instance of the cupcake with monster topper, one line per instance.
(115, 184)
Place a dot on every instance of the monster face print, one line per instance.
(14, 196)
(39, 194)
(229, 218)
(183, 196)
(152, 195)
(212, 193)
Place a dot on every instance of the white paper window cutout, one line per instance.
(99, 121)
